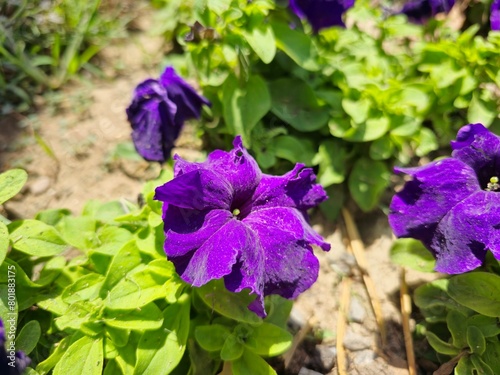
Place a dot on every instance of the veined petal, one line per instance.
(435, 189)
(321, 13)
(466, 232)
(296, 189)
(199, 189)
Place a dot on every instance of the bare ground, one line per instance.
(84, 127)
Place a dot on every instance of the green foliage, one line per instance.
(95, 294)
(43, 44)
(358, 102)
(408, 252)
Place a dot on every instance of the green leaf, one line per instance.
(464, 366)
(76, 315)
(153, 282)
(59, 350)
(83, 357)
(476, 340)
(480, 366)
(278, 309)
(411, 253)
(297, 45)
(52, 216)
(489, 326)
(367, 182)
(105, 212)
(433, 299)
(244, 104)
(250, 363)
(212, 337)
(36, 238)
(28, 338)
(79, 231)
(111, 239)
(146, 317)
(382, 148)
(232, 305)
(481, 111)
(261, 39)
(491, 356)
(427, 142)
(232, 349)
(441, 346)
(218, 6)
(84, 289)
(372, 129)
(332, 166)
(4, 241)
(356, 109)
(294, 102)
(294, 150)
(123, 262)
(11, 182)
(269, 340)
(456, 322)
(479, 291)
(160, 351)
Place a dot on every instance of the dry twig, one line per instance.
(342, 324)
(405, 313)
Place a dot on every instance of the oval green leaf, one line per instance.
(11, 182)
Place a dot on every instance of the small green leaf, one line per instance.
(261, 39)
(382, 148)
(11, 182)
(232, 349)
(331, 158)
(269, 340)
(427, 142)
(28, 338)
(212, 337)
(370, 130)
(479, 291)
(4, 241)
(441, 346)
(489, 326)
(142, 318)
(76, 315)
(78, 231)
(411, 253)
(367, 182)
(83, 357)
(356, 109)
(59, 350)
(491, 356)
(480, 366)
(250, 363)
(457, 326)
(84, 289)
(481, 111)
(36, 238)
(476, 340)
(294, 150)
(218, 6)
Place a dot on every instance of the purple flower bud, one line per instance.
(321, 13)
(12, 362)
(158, 111)
(420, 11)
(495, 15)
(451, 204)
(224, 218)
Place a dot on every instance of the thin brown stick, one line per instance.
(345, 298)
(405, 313)
(298, 338)
(358, 250)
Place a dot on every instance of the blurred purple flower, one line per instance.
(224, 218)
(451, 204)
(158, 111)
(12, 362)
(419, 11)
(495, 15)
(321, 13)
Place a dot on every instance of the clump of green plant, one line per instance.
(352, 102)
(44, 43)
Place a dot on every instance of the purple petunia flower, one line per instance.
(321, 13)
(224, 218)
(158, 111)
(495, 15)
(451, 204)
(419, 11)
(11, 362)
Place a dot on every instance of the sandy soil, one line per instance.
(83, 130)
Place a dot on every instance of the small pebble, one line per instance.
(306, 371)
(364, 357)
(354, 341)
(357, 312)
(344, 264)
(327, 356)
(40, 185)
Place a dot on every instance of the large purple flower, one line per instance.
(12, 362)
(419, 11)
(321, 13)
(158, 111)
(451, 205)
(495, 15)
(224, 218)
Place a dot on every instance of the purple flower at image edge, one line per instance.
(11, 362)
(158, 111)
(321, 13)
(451, 205)
(224, 218)
(495, 15)
(420, 11)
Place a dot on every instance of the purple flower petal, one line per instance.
(224, 219)
(495, 15)
(420, 11)
(158, 111)
(321, 13)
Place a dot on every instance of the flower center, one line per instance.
(493, 185)
(236, 212)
